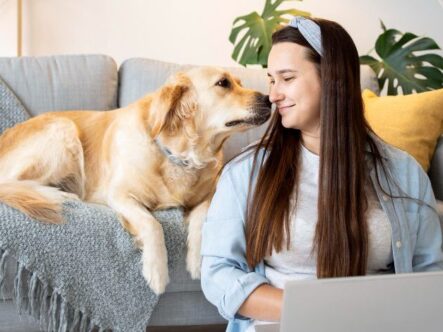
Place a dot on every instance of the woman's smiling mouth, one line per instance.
(284, 109)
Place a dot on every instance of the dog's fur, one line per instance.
(113, 158)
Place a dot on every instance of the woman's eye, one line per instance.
(224, 83)
(271, 82)
(287, 79)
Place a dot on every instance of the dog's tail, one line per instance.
(40, 202)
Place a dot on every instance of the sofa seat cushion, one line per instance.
(185, 308)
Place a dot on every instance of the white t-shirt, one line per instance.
(299, 262)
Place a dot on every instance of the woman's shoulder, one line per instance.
(404, 167)
(243, 163)
(396, 156)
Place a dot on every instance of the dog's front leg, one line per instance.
(149, 237)
(195, 221)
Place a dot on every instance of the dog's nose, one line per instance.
(267, 101)
(264, 100)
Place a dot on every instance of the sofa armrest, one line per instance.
(436, 170)
(440, 214)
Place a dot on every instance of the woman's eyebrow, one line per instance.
(282, 71)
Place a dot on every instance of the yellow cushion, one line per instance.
(412, 123)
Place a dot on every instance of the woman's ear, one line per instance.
(172, 104)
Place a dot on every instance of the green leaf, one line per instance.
(421, 44)
(367, 60)
(433, 75)
(433, 59)
(399, 68)
(407, 37)
(251, 33)
(386, 41)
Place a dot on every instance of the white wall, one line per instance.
(8, 27)
(192, 31)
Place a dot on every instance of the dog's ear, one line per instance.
(172, 105)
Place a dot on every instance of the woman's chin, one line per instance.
(288, 124)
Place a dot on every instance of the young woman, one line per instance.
(320, 196)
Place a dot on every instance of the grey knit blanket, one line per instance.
(11, 109)
(84, 274)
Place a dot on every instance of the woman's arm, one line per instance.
(226, 279)
(264, 303)
(428, 254)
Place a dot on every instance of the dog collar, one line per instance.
(172, 158)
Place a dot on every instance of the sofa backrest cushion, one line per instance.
(141, 76)
(65, 82)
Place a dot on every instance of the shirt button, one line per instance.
(385, 198)
(398, 244)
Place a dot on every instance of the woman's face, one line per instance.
(294, 87)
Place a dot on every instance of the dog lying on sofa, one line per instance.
(164, 150)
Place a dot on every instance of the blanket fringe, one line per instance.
(3, 255)
(36, 298)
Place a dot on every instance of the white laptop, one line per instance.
(383, 303)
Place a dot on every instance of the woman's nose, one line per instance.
(275, 95)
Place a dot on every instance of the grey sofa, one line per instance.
(95, 82)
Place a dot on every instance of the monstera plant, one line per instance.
(251, 34)
(401, 67)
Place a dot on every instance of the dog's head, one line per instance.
(209, 101)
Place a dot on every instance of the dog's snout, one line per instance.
(263, 100)
(261, 109)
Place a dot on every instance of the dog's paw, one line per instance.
(155, 268)
(65, 196)
(156, 277)
(193, 263)
(193, 257)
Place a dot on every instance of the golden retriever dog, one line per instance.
(162, 151)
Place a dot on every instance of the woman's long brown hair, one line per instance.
(341, 235)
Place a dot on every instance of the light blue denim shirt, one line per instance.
(226, 278)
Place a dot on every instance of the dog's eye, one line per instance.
(224, 83)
